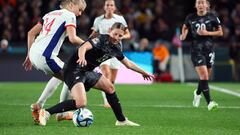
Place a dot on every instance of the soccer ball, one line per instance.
(82, 117)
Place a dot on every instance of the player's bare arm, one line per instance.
(94, 33)
(72, 36)
(130, 65)
(81, 53)
(184, 32)
(31, 37)
(127, 34)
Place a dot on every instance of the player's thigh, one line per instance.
(202, 72)
(113, 75)
(198, 59)
(105, 85)
(105, 68)
(55, 65)
(79, 94)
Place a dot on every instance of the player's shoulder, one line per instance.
(60, 12)
(101, 17)
(118, 16)
(103, 37)
(67, 13)
(191, 16)
(212, 14)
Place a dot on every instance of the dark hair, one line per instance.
(118, 25)
(116, 6)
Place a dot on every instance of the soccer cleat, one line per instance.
(212, 106)
(196, 99)
(126, 123)
(35, 108)
(64, 116)
(43, 117)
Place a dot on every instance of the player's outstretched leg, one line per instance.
(65, 94)
(106, 104)
(117, 109)
(64, 116)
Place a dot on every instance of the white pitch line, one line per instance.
(219, 89)
(139, 106)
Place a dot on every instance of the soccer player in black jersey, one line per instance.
(202, 26)
(80, 77)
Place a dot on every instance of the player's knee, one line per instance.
(107, 75)
(110, 89)
(81, 103)
(204, 77)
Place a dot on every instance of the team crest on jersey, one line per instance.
(201, 20)
(95, 40)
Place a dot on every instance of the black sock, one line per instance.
(199, 89)
(205, 90)
(116, 106)
(62, 107)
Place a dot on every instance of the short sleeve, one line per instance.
(123, 21)
(94, 41)
(70, 20)
(216, 21)
(187, 20)
(120, 56)
(95, 25)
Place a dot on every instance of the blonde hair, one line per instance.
(64, 3)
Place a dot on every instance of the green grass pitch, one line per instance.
(159, 108)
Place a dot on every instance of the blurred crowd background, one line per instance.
(151, 22)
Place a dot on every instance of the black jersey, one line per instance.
(102, 50)
(210, 22)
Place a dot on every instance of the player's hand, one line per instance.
(148, 76)
(82, 62)
(27, 64)
(182, 37)
(203, 32)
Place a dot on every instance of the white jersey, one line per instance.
(102, 25)
(50, 40)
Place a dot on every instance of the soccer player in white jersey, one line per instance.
(101, 25)
(46, 38)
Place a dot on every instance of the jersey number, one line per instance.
(212, 57)
(200, 26)
(47, 25)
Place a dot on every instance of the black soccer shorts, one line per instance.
(88, 78)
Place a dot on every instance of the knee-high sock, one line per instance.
(49, 90)
(105, 101)
(62, 107)
(65, 93)
(116, 106)
(199, 89)
(205, 90)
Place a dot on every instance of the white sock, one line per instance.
(65, 93)
(49, 90)
(104, 98)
